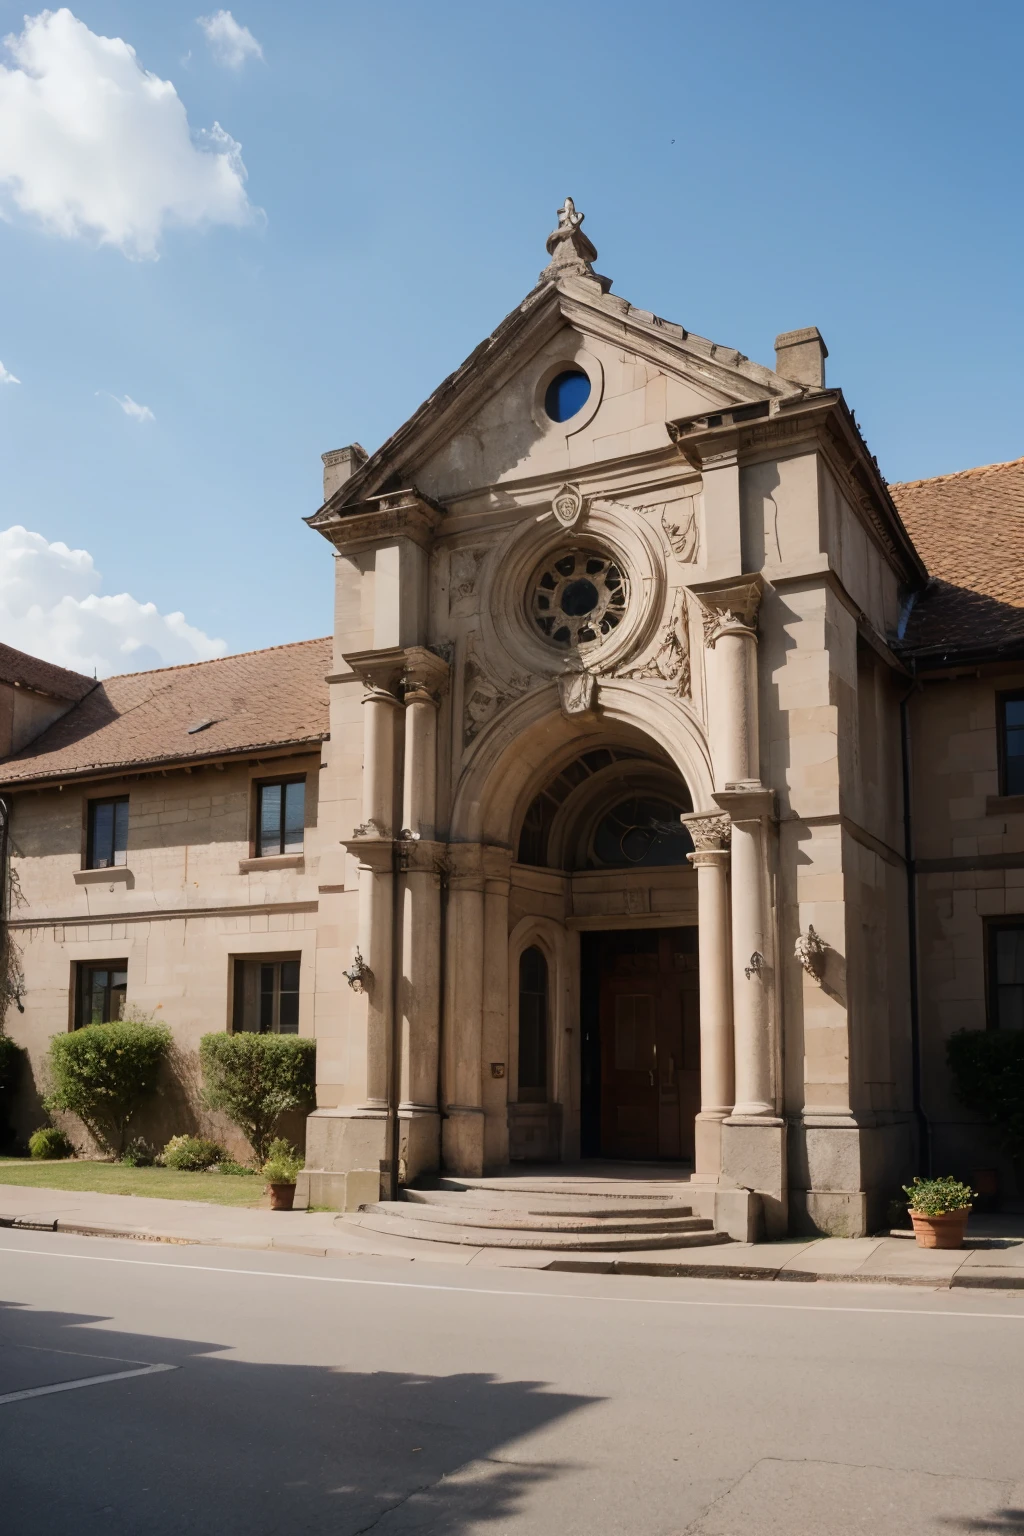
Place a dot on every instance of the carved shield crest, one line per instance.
(568, 505)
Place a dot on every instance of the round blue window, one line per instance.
(567, 393)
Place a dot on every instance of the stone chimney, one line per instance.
(340, 464)
(800, 356)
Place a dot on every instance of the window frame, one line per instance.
(1004, 697)
(276, 959)
(278, 781)
(534, 1093)
(82, 970)
(993, 927)
(91, 807)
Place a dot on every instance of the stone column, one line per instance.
(711, 860)
(418, 1002)
(462, 1130)
(497, 864)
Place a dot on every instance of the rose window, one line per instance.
(578, 598)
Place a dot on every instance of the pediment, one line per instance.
(482, 425)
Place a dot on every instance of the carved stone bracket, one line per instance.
(576, 692)
(810, 949)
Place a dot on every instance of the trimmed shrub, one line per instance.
(988, 1077)
(283, 1162)
(12, 1064)
(937, 1197)
(104, 1073)
(48, 1144)
(255, 1079)
(191, 1154)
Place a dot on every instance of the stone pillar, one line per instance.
(462, 1129)
(711, 860)
(418, 1002)
(497, 863)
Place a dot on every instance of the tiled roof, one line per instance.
(42, 676)
(969, 529)
(259, 699)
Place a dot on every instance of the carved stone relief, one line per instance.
(576, 692)
(483, 697)
(465, 565)
(681, 528)
(568, 505)
(671, 660)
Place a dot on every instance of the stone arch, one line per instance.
(532, 739)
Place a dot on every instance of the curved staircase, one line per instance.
(548, 1214)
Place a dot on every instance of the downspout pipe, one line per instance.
(920, 1118)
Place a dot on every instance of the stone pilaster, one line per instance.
(462, 1129)
(711, 836)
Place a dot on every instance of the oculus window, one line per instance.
(533, 1026)
(1011, 733)
(567, 394)
(101, 992)
(266, 1000)
(280, 817)
(106, 843)
(578, 598)
(1006, 975)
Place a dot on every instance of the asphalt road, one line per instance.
(311, 1395)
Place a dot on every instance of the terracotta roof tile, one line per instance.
(258, 699)
(969, 529)
(42, 676)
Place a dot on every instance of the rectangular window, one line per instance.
(1006, 975)
(280, 817)
(101, 992)
(1011, 740)
(107, 839)
(267, 994)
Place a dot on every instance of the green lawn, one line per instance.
(112, 1179)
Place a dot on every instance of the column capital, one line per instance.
(710, 830)
(425, 675)
(729, 607)
(412, 668)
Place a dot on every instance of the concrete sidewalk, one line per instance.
(992, 1261)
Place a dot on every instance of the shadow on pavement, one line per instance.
(223, 1445)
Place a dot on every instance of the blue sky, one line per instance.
(744, 169)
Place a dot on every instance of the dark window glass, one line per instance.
(101, 993)
(107, 840)
(266, 996)
(567, 394)
(533, 1026)
(1006, 975)
(280, 818)
(641, 831)
(1013, 746)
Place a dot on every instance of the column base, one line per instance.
(754, 1158)
(707, 1145)
(419, 1141)
(346, 1155)
(462, 1141)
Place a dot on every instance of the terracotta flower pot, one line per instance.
(281, 1197)
(944, 1230)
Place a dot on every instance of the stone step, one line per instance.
(634, 1190)
(498, 1219)
(554, 1242)
(596, 1207)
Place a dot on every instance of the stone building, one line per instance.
(670, 807)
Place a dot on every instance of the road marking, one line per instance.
(480, 1290)
(83, 1381)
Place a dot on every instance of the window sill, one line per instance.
(1004, 805)
(104, 876)
(272, 861)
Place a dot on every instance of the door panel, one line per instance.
(650, 1043)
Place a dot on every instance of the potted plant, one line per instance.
(939, 1209)
(280, 1170)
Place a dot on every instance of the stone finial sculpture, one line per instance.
(568, 246)
(810, 949)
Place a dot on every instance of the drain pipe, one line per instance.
(921, 1119)
(442, 983)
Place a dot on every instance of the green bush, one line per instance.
(283, 1162)
(936, 1197)
(988, 1077)
(191, 1154)
(231, 1167)
(48, 1144)
(12, 1062)
(104, 1072)
(137, 1154)
(255, 1079)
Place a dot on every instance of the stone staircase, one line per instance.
(553, 1215)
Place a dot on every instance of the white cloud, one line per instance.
(6, 377)
(136, 411)
(230, 42)
(94, 146)
(50, 606)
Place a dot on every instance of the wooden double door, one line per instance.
(649, 1028)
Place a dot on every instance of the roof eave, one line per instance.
(291, 747)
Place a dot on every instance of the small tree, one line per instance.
(104, 1072)
(255, 1079)
(988, 1077)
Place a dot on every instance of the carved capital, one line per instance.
(709, 830)
(730, 609)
